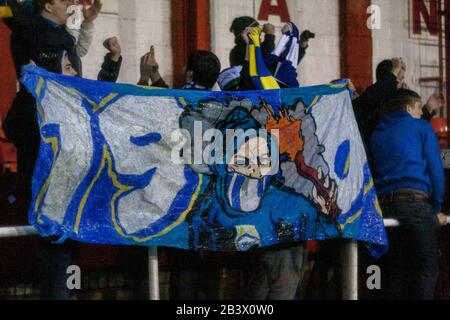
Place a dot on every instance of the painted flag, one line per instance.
(220, 171)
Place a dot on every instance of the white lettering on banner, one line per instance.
(138, 130)
(76, 138)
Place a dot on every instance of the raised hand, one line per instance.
(442, 219)
(436, 102)
(149, 66)
(113, 46)
(94, 10)
(268, 28)
(287, 28)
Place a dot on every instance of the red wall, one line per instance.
(7, 72)
(356, 42)
(190, 31)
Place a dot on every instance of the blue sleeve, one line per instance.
(435, 170)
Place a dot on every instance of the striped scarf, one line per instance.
(285, 58)
(261, 77)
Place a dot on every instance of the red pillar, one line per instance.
(7, 72)
(356, 43)
(190, 31)
(447, 56)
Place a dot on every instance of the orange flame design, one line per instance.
(290, 136)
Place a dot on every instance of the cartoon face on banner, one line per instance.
(240, 190)
(198, 170)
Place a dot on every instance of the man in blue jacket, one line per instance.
(410, 183)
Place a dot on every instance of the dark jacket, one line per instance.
(367, 107)
(240, 50)
(32, 36)
(32, 32)
(427, 116)
(407, 156)
(110, 69)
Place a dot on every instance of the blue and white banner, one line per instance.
(220, 171)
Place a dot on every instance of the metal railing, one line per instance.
(349, 272)
(350, 264)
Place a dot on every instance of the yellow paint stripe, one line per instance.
(123, 189)
(316, 99)
(368, 187)
(105, 101)
(351, 219)
(347, 165)
(88, 191)
(152, 88)
(337, 86)
(92, 103)
(54, 142)
(378, 207)
(182, 101)
(41, 112)
(39, 87)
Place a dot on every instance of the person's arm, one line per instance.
(301, 54)
(110, 69)
(434, 103)
(150, 71)
(427, 115)
(432, 155)
(85, 34)
(269, 39)
(84, 38)
(113, 61)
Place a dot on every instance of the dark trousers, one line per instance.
(410, 268)
(276, 273)
(185, 274)
(53, 263)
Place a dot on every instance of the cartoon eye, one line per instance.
(242, 161)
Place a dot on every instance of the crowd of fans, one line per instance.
(403, 150)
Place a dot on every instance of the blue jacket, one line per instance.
(407, 156)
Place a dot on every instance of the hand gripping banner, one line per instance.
(220, 171)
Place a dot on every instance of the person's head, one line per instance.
(252, 159)
(67, 67)
(239, 24)
(384, 69)
(405, 100)
(203, 68)
(54, 60)
(237, 56)
(54, 10)
(230, 79)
